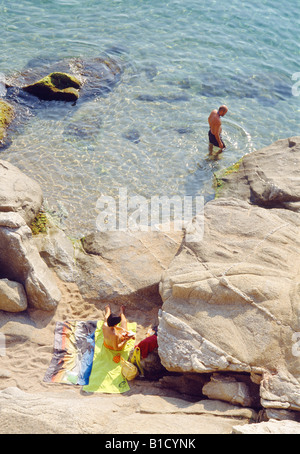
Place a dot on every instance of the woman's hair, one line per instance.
(113, 320)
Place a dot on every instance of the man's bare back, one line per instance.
(214, 122)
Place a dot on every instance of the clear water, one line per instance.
(181, 59)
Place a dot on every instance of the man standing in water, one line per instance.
(214, 133)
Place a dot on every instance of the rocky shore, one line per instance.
(227, 308)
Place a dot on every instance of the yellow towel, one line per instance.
(106, 375)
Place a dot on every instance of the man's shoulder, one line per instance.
(214, 116)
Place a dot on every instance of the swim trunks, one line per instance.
(213, 139)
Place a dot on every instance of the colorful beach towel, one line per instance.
(106, 375)
(74, 343)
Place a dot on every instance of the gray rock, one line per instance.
(268, 428)
(18, 192)
(268, 177)
(12, 296)
(125, 266)
(228, 389)
(21, 262)
(230, 301)
(69, 413)
(57, 250)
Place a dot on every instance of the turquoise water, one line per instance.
(180, 60)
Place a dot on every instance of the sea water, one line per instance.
(180, 60)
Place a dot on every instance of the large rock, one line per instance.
(21, 262)
(18, 192)
(12, 296)
(268, 177)
(70, 413)
(125, 266)
(231, 301)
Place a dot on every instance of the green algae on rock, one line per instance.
(56, 86)
(220, 177)
(6, 117)
(39, 224)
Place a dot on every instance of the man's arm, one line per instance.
(217, 136)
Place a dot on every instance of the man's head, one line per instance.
(113, 320)
(222, 110)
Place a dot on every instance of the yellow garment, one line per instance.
(106, 375)
(136, 359)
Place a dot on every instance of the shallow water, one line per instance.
(180, 60)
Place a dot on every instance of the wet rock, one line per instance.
(117, 50)
(268, 89)
(151, 72)
(95, 76)
(184, 130)
(84, 128)
(6, 117)
(132, 135)
(99, 75)
(56, 86)
(160, 98)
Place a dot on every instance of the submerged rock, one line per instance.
(56, 86)
(161, 98)
(266, 88)
(93, 76)
(132, 135)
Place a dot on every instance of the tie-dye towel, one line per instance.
(74, 344)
